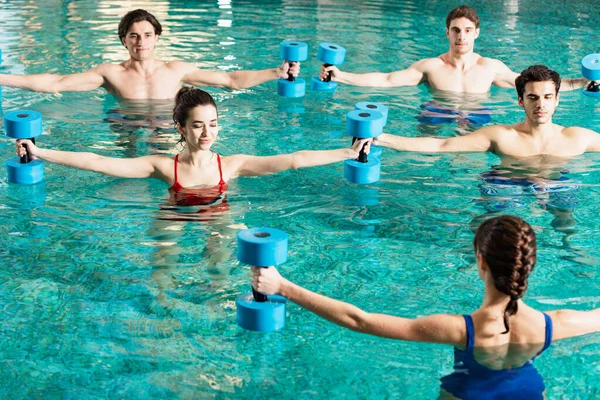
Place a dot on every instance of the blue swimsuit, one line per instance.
(471, 380)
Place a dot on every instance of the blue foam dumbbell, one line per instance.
(590, 68)
(261, 247)
(376, 151)
(24, 124)
(292, 51)
(330, 54)
(363, 124)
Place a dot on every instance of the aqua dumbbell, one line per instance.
(363, 124)
(292, 51)
(590, 68)
(330, 54)
(376, 151)
(261, 247)
(24, 124)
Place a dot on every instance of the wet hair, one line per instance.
(186, 99)
(137, 16)
(508, 246)
(536, 73)
(462, 12)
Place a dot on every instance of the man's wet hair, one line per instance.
(463, 12)
(134, 16)
(536, 73)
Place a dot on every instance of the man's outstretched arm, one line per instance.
(505, 78)
(236, 79)
(53, 83)
(478, 141)
(411, 76)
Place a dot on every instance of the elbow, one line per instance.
(296, 161)
(359, 321)
(233, 83)
(53, 85)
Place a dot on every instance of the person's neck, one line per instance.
(143, 67)
(198, 158)
(494, 301)
(538, 130)
(460, 61)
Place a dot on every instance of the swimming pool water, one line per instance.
(101, 298)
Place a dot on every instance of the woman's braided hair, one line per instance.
(508, 246)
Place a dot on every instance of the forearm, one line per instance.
(313, 158)
(79, 160)
(401, 143)
(371, 79)
(338, 312)
(247, 79)
(36, 83)
(573, 84)
(118, 167)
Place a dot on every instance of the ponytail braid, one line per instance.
(508, 245)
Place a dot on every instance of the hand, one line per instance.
(26, 143)
(289, 68)
(266, 280)
(357, 146)
(335, 72)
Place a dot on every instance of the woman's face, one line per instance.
(201, 128)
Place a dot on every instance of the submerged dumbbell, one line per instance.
(292, 51)
(330, 54)
(376, 151)
(261, 247)
(24, 124)
(590, 68)
(363, 124)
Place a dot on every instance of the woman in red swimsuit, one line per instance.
(197, 176)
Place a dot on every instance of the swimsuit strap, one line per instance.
(221, 181)
(176, 180)
(549, 331)
(470, 333)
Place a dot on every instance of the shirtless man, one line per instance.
(458, 70)
(143, 76)
(534, 153)
(537, 89)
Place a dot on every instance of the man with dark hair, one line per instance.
(142, 76)
(538, 94)
(458, 70)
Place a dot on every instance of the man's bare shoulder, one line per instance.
(498, 128)
(576, 131)
(427, 64)
(492, 63)
(180, 66)
(497, 132)
(109, 68)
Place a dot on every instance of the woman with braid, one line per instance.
(495, 344)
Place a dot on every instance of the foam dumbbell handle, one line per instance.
(328, 77)
(25, 158)
(291, 77)
(259, 297)
(593, 87)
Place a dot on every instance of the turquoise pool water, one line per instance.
(101, 299)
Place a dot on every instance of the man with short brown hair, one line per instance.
(458, 70)
(143, 76)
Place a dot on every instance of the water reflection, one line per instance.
(467, 110)
(507, 186)
(148, 120)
